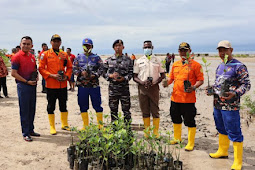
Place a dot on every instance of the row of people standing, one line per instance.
(169, 58)
(4, 71)
(56, 67)
(230, 72)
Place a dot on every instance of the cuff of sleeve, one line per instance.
(108, 78)
(97, 76)
(236, 92)
(126, 78)
(46, 76)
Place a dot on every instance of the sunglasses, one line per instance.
(183, 50)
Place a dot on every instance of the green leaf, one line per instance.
(204, 60)
(225, 58)
(187, 55)
(107, 136)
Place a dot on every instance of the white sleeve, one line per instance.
(161, 69)
(136, 67)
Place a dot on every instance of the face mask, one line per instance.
(147, 51)
(86, 49)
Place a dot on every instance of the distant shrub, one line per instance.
(6, 59)
(249, 104)
(241, 55)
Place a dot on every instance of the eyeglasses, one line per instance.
(147, 47)
(223, 49)
(183, 50)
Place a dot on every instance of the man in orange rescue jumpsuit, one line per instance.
(183, 101)
(56, 68)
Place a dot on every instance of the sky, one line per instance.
(166, 23)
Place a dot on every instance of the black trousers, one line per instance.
(52, 96)
(167, 67)
(186, 111)
(3, 84)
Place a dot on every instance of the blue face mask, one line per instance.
(147, 51)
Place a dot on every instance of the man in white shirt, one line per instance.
(148, 73)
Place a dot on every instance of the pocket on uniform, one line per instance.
(142, 68)
(155, 67)
(176, 70)
(141, 65)
(51, 62)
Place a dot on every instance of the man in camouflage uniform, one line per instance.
(88, 67)
(118, 70)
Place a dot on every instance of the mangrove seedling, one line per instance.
(187, 83)
(206, 65)
(178, 163)
(224, 85)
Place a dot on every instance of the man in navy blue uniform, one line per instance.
(88, 68)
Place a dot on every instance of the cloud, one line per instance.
(165, 22)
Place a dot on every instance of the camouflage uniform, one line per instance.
(119, 91)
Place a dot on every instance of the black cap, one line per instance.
(117, 41)
(184, 45)
(55, 36)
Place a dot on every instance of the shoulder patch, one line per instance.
(201, 69)
(42, 56)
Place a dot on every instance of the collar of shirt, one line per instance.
(186, 62)
(152, 58)
(52, 51)
(23, 53)
(84, 55)
(115, 57)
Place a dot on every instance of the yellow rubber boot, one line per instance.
(146, 122)
(64, 123)
(100, 120)
(222, 151)
(52, 124)
(191, 139)
(177, 133)
(156, 126)
(238, 155)
(85, 118)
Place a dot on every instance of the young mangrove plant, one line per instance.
(114, 147)
(206, 65)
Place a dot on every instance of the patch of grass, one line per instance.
(241, 55)
(249, 104)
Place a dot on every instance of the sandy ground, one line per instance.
(49, 152)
